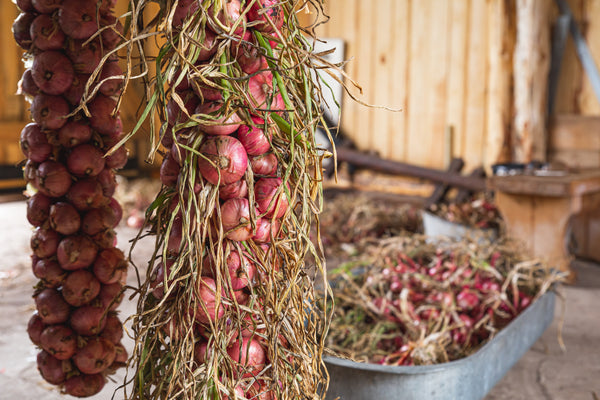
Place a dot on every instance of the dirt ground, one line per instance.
(545, 372)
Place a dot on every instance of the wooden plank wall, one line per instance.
(434, 60)
(445, 63)
(13, 109)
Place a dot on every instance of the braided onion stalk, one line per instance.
(229, 308)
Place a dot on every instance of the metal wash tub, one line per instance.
(470, 378)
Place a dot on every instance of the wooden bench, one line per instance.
(537, 209)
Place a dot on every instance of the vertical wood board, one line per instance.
(476, 86)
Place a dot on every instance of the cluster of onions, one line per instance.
(434, 305)
(230, 151)
(71, 185)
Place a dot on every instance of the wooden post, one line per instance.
(531, 66)
(500, 105)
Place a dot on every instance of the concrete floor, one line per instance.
(546, 372)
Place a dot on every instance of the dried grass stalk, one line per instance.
(281, 308)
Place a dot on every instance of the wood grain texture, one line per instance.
(500, 82)
(476, 96)
(12, 107)
(575, 132)
(531, 66)
(399, 82)
(570, 81)
(456, 79)
(588, 100)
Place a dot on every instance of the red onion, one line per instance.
(80, 287)
(25, 5)
(30, 173)
(38, 209)
(106, 6)
(201, 352)
(75, 92)
(76, 252)
(88, 320)
(21, 29)
(59, 340)
(235, 217)
(96, 356)
(35, 326)
(85, 160)
(238, 188)
(230, 15)
(44, 242)
(34, 143)
(121, 357)
(248, 54)
(209, 46)
(84, 56)
(114, 85)
(259, 390)
(184, 10)
(185, 137)
(50, 272)
(86, 194)
(27, 84)
(249, 353)
(169, 171)
(53, 179)
(207, 298)
(267, 14)
(118, 211)
(265, 164)
(175, 115)
(84, 385)
(219, 124)
(157, 282)
(50, 111)
(77, 18)
(102, 119)
(265, 191)
(207, 93)
(46, 6)
(254, 139)
(110, 296)
(113, 331)
(110, 265)
(241, 270)
(108, 180)
(52, 72)
(260, 87)
(105, 239)
(175, 237)
(229, 157)
(51, 307)
(64, 218)
(46, 34)
(266, 229)
(467, 299)
(97, 220)
(51, 368)
(113, 35)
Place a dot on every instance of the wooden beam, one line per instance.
(500, 82)
(531, 67)
(375, 163)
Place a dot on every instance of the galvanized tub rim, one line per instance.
(426, 369)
